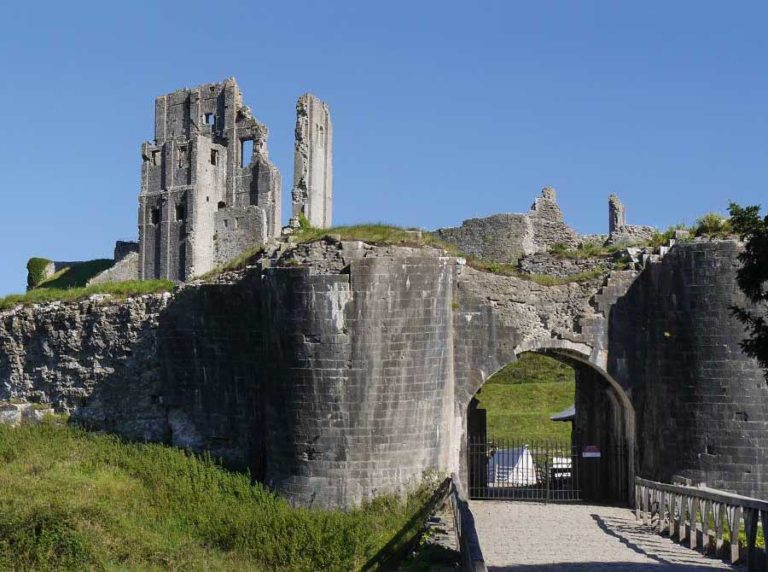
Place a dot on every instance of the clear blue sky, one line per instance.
(442, 110)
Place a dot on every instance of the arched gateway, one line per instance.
(596, 463)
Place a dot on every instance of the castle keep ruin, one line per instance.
(208, 189)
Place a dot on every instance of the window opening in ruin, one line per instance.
(246, 152)
(182, 156)
(222, 205)
(181, 212)
(155, 158)
(210, 119)
(226, 223)
(155, 215)
(214, 157)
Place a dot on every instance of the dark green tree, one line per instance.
(752, 278)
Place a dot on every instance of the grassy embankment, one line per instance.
(117, 289)
(69, 284)
(73, 500)
(520, 398)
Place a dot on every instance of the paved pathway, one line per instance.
(534, 537)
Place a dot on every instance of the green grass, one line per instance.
(76, 276)
(237, 263)
(582, 251)
(520, 399)
(372, 233)
(117, 289)
(70, 500)
(505, 269)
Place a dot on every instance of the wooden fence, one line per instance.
(706, 519)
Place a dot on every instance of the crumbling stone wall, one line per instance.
(507, 237)
(312, 195)
(350, 375)
(203, 200)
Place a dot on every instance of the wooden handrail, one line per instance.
(464, 524)
(677, 509)
(714, 495)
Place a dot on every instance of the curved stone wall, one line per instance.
(702, 405)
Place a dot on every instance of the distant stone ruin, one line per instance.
(313, 164)
(208, 188)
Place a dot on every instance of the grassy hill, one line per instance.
(520, 398)
(78, 501)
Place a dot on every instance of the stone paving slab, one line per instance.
(534, 537)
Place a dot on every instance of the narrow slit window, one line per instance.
(155, 216)
(210, 119)
(246, 153)
(182, 157)
(214, 157)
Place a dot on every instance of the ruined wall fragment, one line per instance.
(507, 237)
(313, 163)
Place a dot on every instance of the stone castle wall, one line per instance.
(702, 405)
(335, 385)
(507, 237)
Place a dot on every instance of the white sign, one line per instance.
(590, 452)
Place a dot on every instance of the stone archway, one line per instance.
(604, 424)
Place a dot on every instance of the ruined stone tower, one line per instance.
(208, 189)
(313, 163)
(616, 217)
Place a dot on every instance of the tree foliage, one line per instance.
(752, 278)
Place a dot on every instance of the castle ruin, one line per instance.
(313, 164)
(208, 189)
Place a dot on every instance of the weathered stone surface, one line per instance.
(550, 265)
(351, 374)
(616, 215)
(312, 193)
(507, 237)
(15, 414)
(702, 405)
(126, 268)
(203, 201)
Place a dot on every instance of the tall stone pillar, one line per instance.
(313, 163)
(615, 214)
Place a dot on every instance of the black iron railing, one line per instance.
(523, 470)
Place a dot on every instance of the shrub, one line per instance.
(36, 271)
(712, 224)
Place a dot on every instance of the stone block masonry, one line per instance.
(312, 193)
(349, 376)
(208, 188)
(507, 237)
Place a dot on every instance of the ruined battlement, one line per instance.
(208, 188)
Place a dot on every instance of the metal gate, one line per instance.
(545, 471)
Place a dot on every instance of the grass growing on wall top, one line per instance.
(117, 289)
(520, 399)
(79, 501)
(77, 275)
(372, 233)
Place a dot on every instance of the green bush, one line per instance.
(712, 224)
(662, 238)
(72, 500)
(36, 271)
